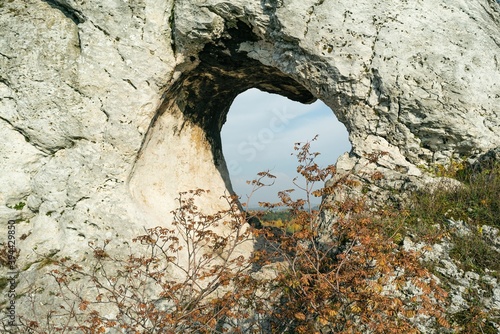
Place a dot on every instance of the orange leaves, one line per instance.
(443, 322)
(296, 280)
(300, 316)
(83, 305)
(100, 253)
(377, 176)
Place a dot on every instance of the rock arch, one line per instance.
(183, 146)
(106, 105)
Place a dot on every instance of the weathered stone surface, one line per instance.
(109, 108)
(462, 283)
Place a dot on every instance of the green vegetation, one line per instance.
(432, 216)
(19, 206)
(477, 202)
(4, 281)
(427, 214)
(473, 253)
(281, 219)
(270, 216)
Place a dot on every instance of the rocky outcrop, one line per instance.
(109, 108)
(466, 286)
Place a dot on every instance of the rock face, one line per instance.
(109, 108)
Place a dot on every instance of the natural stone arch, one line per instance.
(87, 88)
(396, 110)
(194, 109)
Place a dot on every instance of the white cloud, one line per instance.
(261, 130)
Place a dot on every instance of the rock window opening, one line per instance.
(259, 135)
(183, 147)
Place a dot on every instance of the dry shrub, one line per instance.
(355, 280)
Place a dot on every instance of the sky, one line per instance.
(260, 133)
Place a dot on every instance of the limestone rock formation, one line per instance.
(109, 108)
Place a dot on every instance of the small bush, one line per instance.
(193, 279)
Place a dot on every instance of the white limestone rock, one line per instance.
(109, 108)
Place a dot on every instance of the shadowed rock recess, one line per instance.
(109, 108)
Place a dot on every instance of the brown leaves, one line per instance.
(83, 305)
(353, 282)
(300, 316)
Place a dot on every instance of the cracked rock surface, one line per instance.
(109, 108)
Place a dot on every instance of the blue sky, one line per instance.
(259, 135)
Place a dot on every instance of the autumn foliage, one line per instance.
(338, 272)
